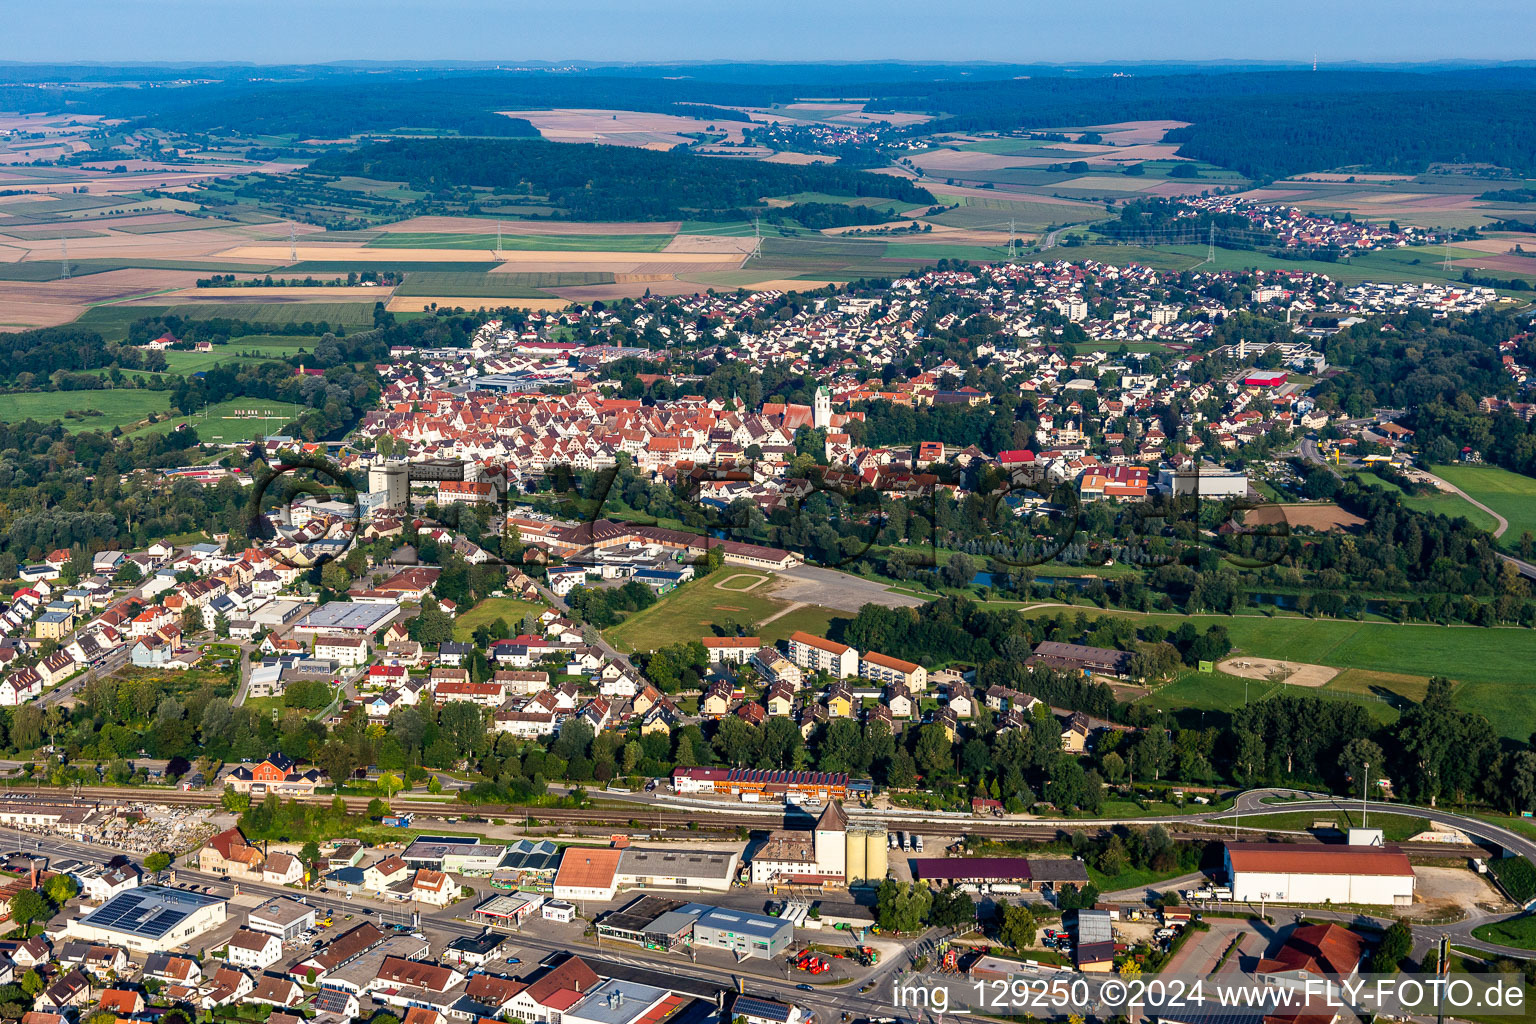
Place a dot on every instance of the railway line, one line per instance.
(669, 823)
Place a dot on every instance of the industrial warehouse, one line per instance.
(659, 923)
(1028, 873)
(1262, 872)
(833, 852)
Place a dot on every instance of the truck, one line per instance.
(1222, 892)
(917, 843)
(1198, 894)
(397, 820)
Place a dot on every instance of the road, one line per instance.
(1446, 485)
(706, 978)
(1307, 449)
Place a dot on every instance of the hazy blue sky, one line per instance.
(650, 30)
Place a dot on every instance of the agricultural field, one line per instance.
(537, 243)
(1509, 494)
(351, 314)
(469, 284)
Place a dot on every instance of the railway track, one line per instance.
(601, 820)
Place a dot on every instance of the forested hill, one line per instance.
(590, 182)
(1270, 124)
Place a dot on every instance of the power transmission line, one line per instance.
(293, 243)
(64, 248)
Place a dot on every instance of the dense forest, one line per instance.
(1388, 120)
(591, 182)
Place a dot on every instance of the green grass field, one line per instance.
(267, 346)
(228, 422)
(496, 286)
(491, 609)
(1441, 503)
(1397, 827)
(1511, 495)
(1384, 652)
(1519, 932)
(352, 314)
(688, 612)
(567, 243)
(85, 410)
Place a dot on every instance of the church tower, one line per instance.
(821, 413)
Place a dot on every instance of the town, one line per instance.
(709, 514)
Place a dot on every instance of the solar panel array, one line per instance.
(527, 855)
(764, 1009)
(150, 911)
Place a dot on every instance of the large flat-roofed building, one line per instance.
(342, 618)
(1026, 872)
(150, 919)
(1282, 873)
(742, 934)
(280, 916)
(818, 654)
(677, 868)
(659, 923)
(617, 1001)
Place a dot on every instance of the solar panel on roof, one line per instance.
(765, 1008)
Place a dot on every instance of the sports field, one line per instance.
(238, 419)
(1509, 494)
(1392, 662)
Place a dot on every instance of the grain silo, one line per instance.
(857, 843)
(875, 854)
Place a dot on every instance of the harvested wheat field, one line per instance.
(488, 225)
(22, 315)
(717, 244)
(1292, 673)
(619, 127)
(352, 254)
(1124, 132)
(1320, 517)
(800, 158)
(418, 303)
(1500, 244)
(1510, 263)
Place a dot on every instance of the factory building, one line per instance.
(150, 919)
(833, 852)
(1281, 873)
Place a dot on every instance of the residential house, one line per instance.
(255, 950)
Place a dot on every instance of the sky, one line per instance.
(1022, 31)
